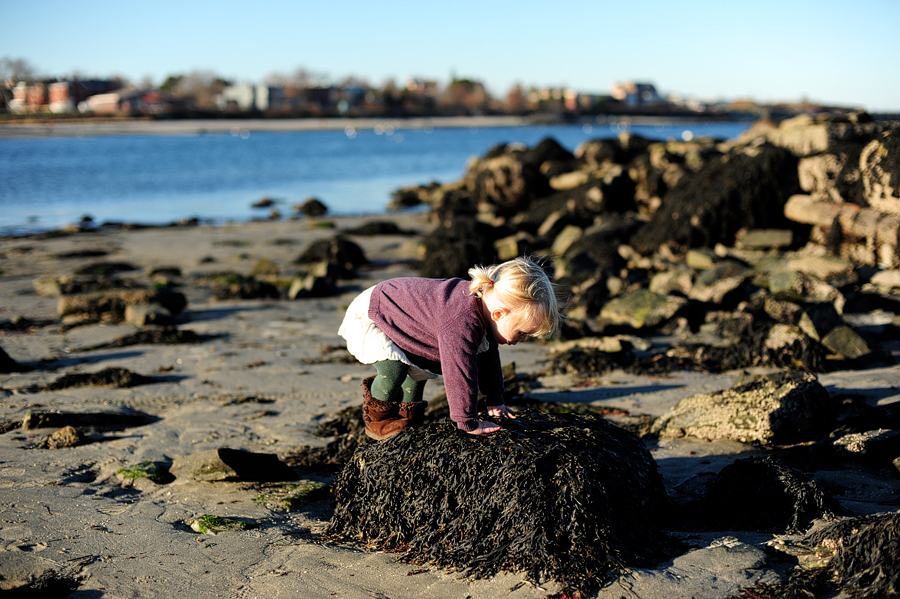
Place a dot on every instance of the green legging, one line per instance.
(393, 379)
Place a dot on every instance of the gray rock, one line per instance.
(678, 279)
(798, 286)
(718, 281)
(67, 436)
(141, 315)
(846, 342)
(774, 410)
(513, 246)
(225, 464)
(818, 320)
(879, 444)
(642, 309)
(755, 239)
(880, 172)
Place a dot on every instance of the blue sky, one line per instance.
(843, 53)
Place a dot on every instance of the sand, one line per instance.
(257, 383)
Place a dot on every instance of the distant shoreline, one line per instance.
(237, 126)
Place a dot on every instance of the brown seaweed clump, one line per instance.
(569, 498)
(108, 377)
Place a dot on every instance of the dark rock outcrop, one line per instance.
(745, 188)
(764, 495)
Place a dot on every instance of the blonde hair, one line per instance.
(523, 286)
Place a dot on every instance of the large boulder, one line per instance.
(339, 252)
(568, 498)
(833, 174)
(805, 135)
(786, 408)
(506, 183)
(578, 206)
(746, 188)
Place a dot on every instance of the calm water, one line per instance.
(48, 182)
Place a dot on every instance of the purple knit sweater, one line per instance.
(441, 321)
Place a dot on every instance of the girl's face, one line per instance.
(508, 327)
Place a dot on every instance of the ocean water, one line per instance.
(48, 182)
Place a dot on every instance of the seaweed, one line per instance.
(108, 377)
(167, 335)
(570, 498)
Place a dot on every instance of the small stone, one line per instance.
(642, 309)
(67, 436)
(764, 239)
(845, 342)
(141, 315)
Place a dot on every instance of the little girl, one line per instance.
(413, 329)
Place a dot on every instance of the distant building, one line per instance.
(246, 98)
(422, 87)
(56, 96)
(634, 94)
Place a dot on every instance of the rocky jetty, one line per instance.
(777, 249)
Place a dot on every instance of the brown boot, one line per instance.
(382, 418)
(414, 411)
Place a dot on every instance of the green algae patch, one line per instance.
(208, 524)
(149, 470)
(292, 496)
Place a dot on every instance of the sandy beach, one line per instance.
(261, 380)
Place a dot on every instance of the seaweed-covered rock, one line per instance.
(596, 252)
(231, 285)
(88, 421)
(879, 446)
(312, 207)
(114, 302)
(455, 245)
(745, 188)
(167, 335)
(785, 408)
(855, 557)
(506, 183)
(338, 251)
(569, 498)
(108, 377)
(762, 494)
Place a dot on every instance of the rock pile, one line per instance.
(776, 249)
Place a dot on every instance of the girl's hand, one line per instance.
(501, 412)
(485, 427)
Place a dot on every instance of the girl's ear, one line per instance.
(498, 313)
